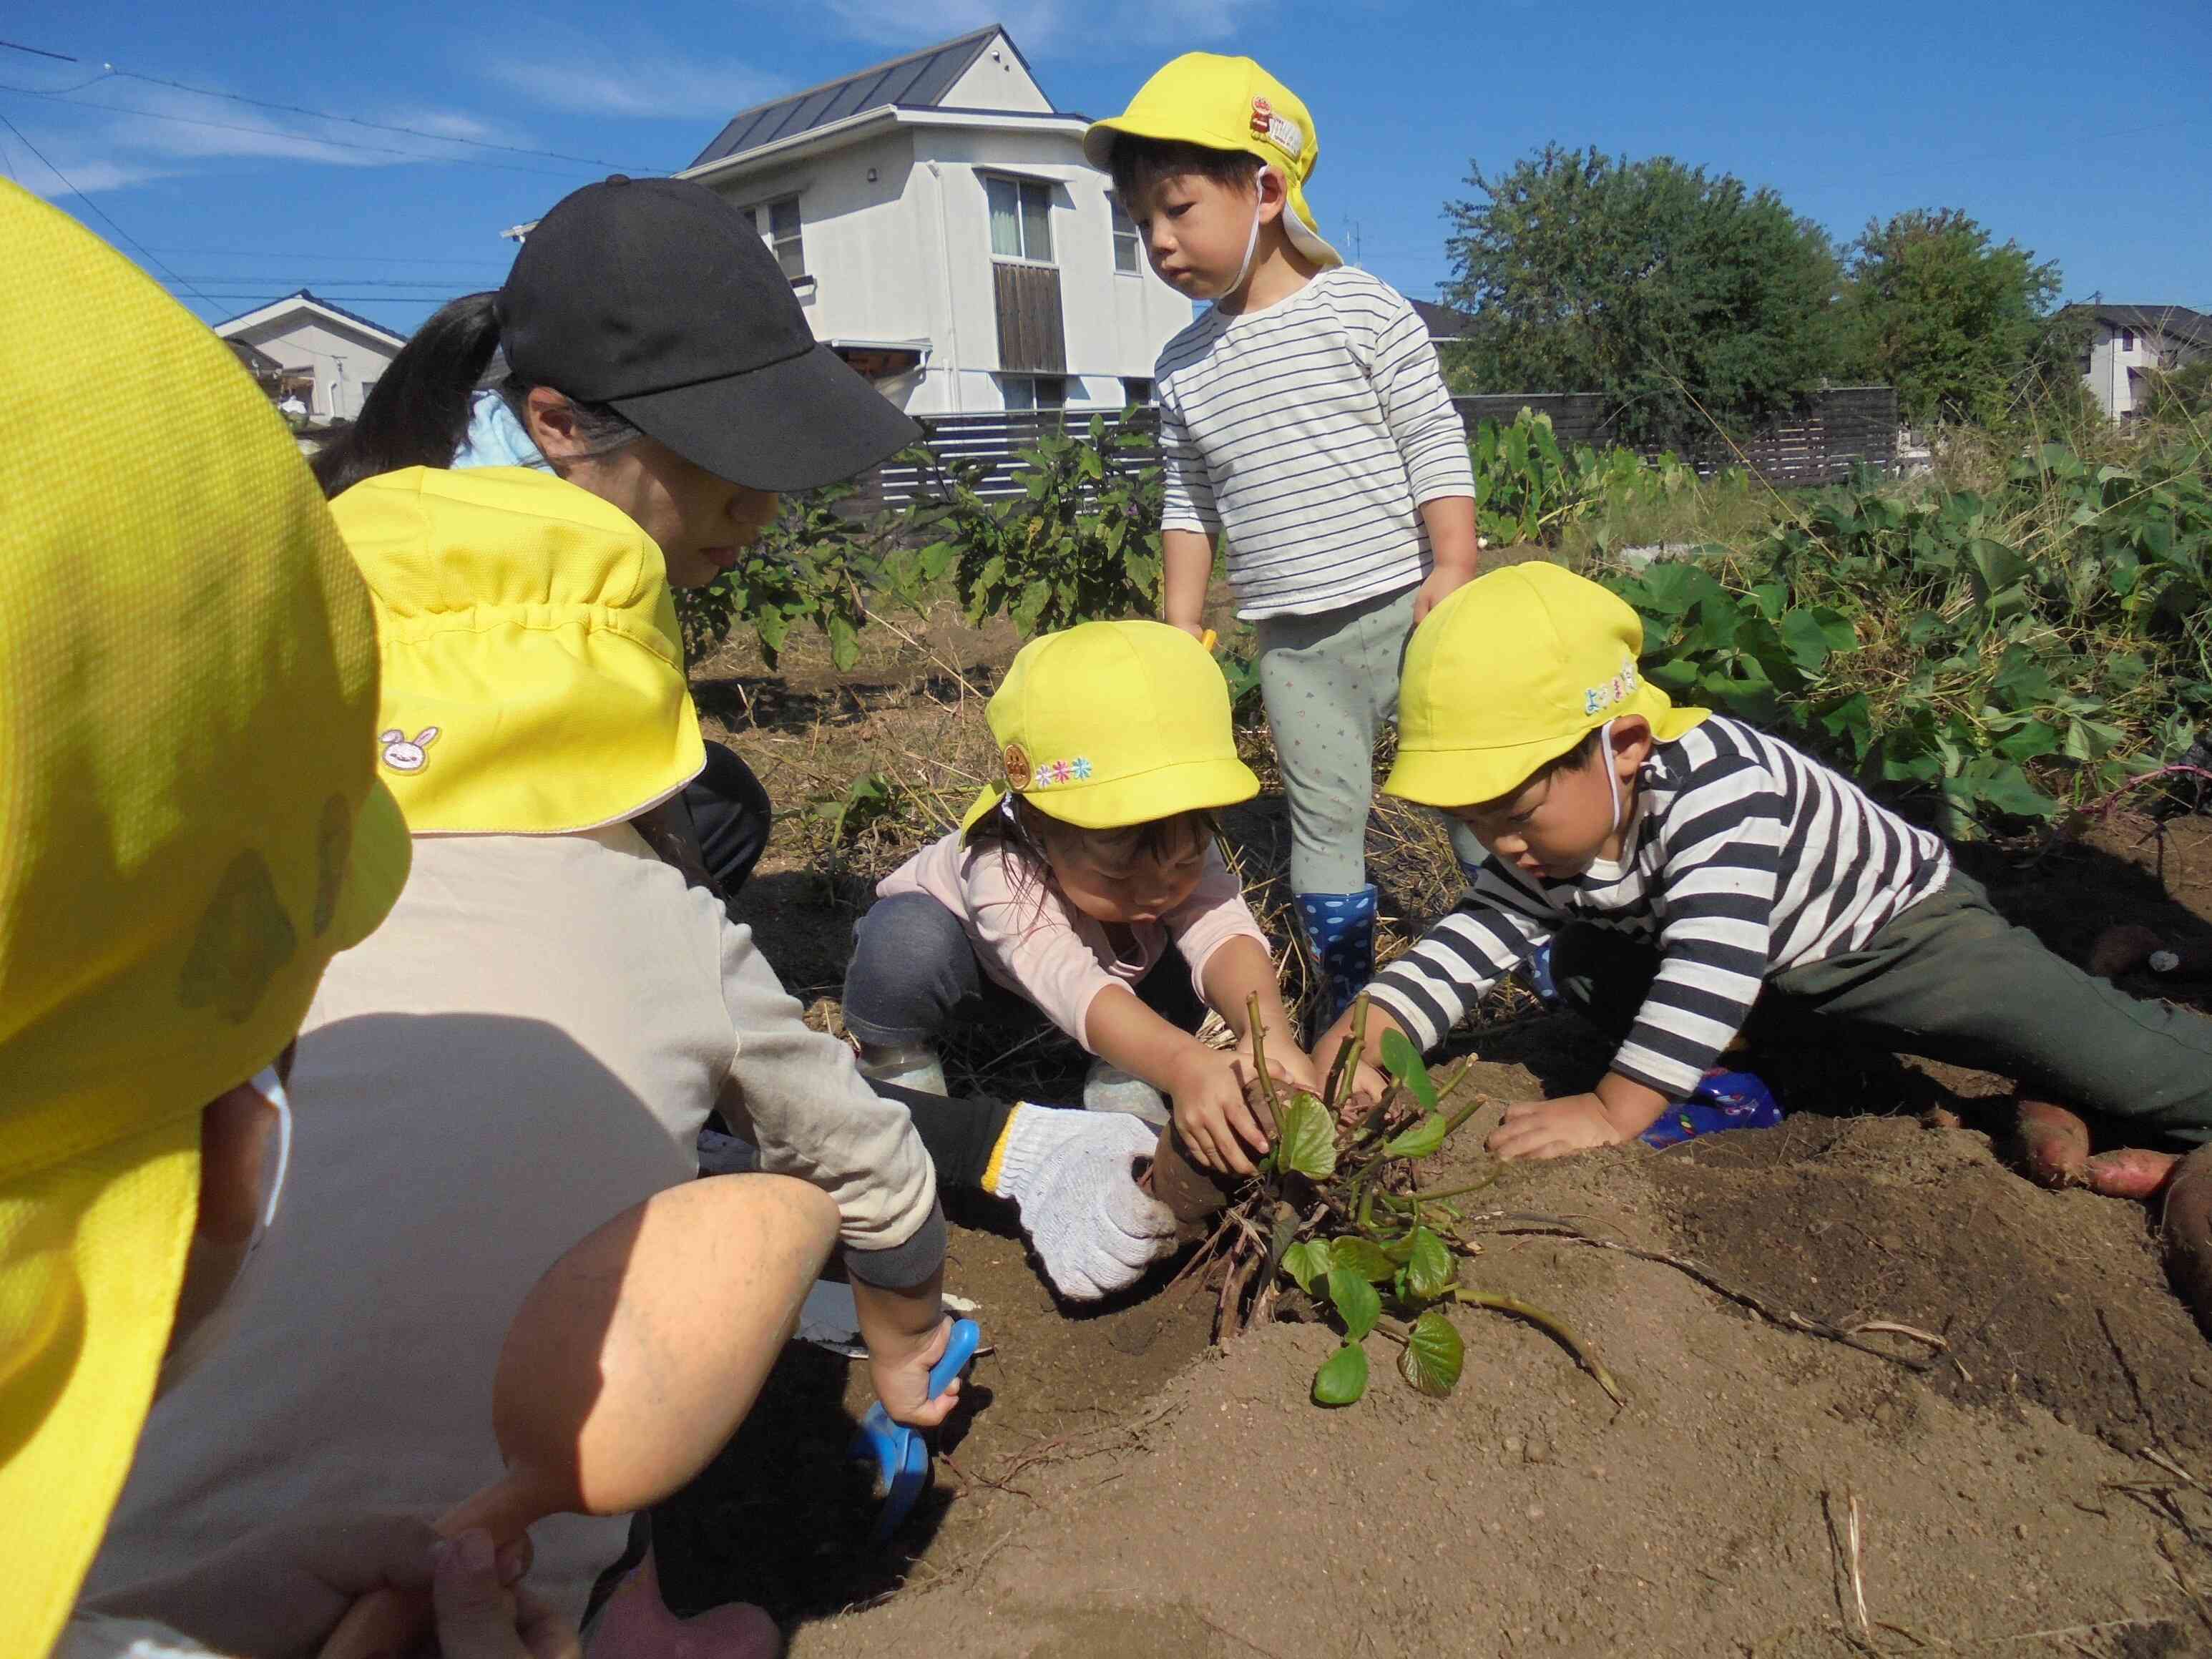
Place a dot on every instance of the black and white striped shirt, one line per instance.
(1745, 858)
(1309, 434)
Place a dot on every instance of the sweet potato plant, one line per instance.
(1336, 1225)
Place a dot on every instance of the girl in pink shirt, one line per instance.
(1093, 886)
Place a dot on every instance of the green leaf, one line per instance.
(1811, 636)
(1343, 1379)
(1308, 1262)
(1362, 1256)
(1429, 1268)
(844, 642)
(1422, 1140)
(1306, 1138)
(1433, 1357)
(1358, 1304)
(1403, 1061)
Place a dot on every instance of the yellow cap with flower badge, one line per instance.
(1513, 670)
(189, 828)
(1110, 724)
(533, 669)
(1215, 102)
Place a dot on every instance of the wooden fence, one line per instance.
(1834, 431)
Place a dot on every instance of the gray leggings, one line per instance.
(1330, 683)
(913, 973)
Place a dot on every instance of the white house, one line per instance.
(938, 224)
(308, 338)
(2127, 343)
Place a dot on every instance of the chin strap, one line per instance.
(1611, 773)
(1251, 245)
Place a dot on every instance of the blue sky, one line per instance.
(2084, 133)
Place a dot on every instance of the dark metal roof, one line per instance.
(920, 78)
(2176, 322)
(1442, 321)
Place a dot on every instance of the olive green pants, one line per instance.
(1951, 980)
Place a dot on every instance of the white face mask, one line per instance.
(187, 1355)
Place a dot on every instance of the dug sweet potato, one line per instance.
(2187, 1227)
(2129, 1172)
(2054, 1143)
(1194, 1194)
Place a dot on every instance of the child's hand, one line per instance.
(1441, 583)
(1367, 1087)
(1554, 1128)
(1290, 1063)
(1210, 1111)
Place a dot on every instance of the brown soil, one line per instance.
(1118, 1487)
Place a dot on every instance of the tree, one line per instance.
(1958, 326)
(1668, 290)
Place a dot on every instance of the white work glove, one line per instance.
(1072, 1176)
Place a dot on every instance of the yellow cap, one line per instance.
(533, 671)
(1227, 103)
(189, 828)
(1116, 723)
(1513, 670)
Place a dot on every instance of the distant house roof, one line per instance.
(2176, 322)
(301, 299)
(1442, 321)
(920, 78)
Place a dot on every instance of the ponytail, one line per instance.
(417, 413)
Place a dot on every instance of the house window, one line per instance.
(1128, 254)
(1028, 393)
(1136, 391)
(1021, 219)
(777, 223)
(2127, 339)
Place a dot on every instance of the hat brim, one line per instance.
(799, 424)
(376, 867)
(1470, 776)
(89, 1276)
(1117, 803)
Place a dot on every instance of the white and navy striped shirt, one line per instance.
(1745, 858)
(1309, 434)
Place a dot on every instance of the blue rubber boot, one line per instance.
(1340, 930)
(1722, 1100)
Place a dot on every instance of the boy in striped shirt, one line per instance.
(1303, 417)
(1684, 866)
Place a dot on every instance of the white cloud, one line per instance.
(101, 145)
(654, 86)
(1043, 26)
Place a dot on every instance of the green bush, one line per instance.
(1081, 544)
(813, 566)
(1530, 488)
(2008, 652)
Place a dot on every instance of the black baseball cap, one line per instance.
(656, 296)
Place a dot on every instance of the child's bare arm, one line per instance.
(1186, 567)
(1451, 521)
(1207, 1088)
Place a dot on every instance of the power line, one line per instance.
(325, 115)
(102, 212)
(342, 259)
(440, 285)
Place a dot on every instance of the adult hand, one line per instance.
(1208, 1087)
(1072, 1176)
(480, 1617)
(283, 1587)
(1554, 1129)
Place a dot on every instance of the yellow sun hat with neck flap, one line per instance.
(190, 829)
(534, 667)
(1513, 669)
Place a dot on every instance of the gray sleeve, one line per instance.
(814, 1116)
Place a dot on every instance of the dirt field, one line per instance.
(1119, 1486)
